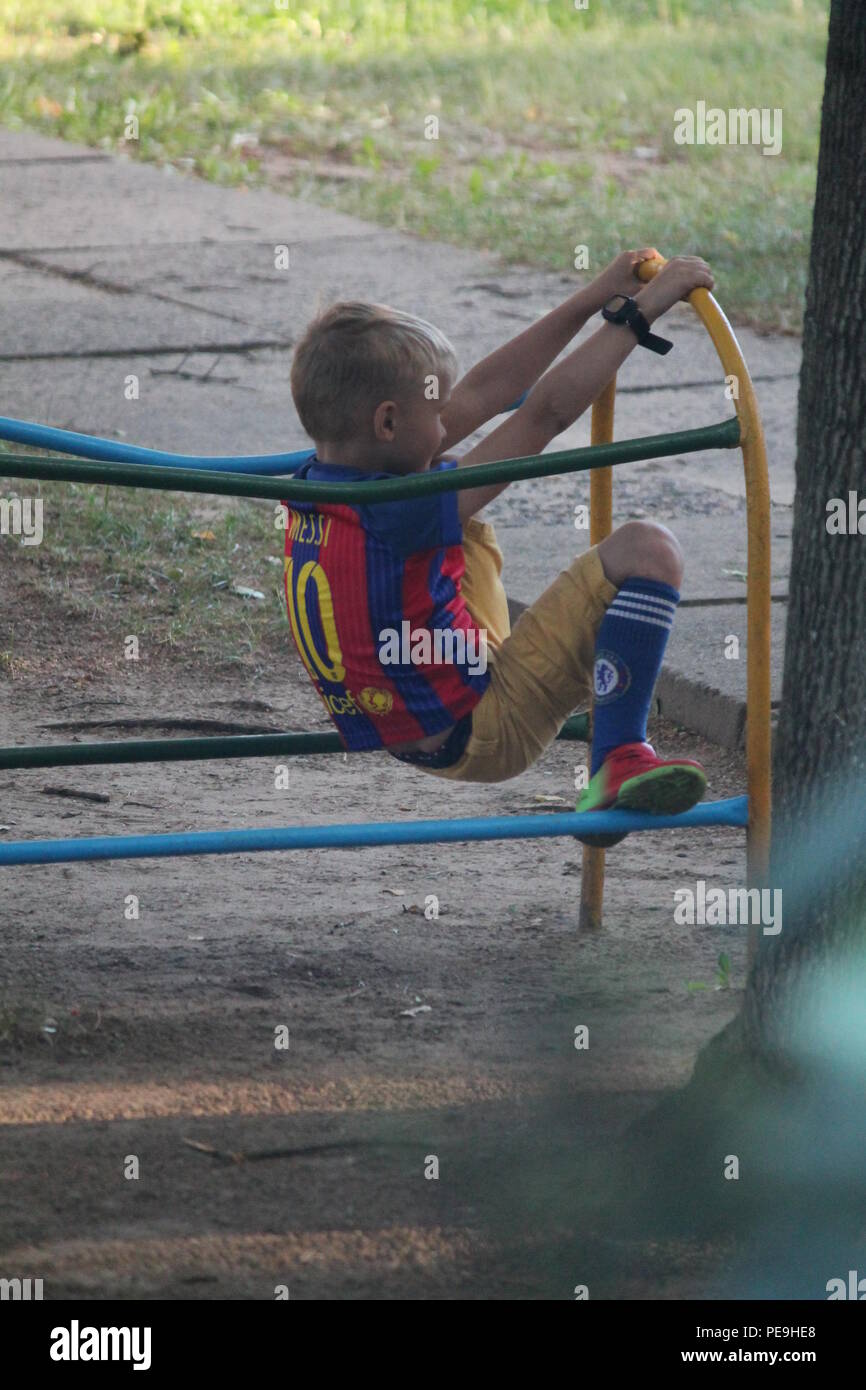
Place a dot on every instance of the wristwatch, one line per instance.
(622, 309)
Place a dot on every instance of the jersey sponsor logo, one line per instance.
(339, 704)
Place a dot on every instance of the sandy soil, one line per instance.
(128, 1037)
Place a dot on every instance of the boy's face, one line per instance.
(412, 429)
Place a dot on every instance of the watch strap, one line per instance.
(629, 314)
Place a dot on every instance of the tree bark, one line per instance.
(819, 802)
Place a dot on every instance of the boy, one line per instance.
(375, 593)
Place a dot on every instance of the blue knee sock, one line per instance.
(628, 657)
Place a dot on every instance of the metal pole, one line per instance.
(600, 524)
(758, 708)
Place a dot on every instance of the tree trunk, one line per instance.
(819, 803)
(783, 1087)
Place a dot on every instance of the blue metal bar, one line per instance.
(89, 446)
(734, 811)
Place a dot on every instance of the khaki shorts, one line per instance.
(539, 673)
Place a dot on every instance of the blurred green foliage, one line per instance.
(555, 124)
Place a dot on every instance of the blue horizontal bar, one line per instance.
(734, 811)
(89, 446)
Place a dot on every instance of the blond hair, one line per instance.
(355, 355)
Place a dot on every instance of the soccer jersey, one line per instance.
(376, 612)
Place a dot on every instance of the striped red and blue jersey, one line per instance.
(354, 572)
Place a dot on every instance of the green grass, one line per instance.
(116, 552)
(540, 108)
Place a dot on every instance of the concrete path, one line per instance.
(110, 267)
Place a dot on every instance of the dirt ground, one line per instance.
(126, 1036)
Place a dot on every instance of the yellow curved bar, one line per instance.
(758, 743)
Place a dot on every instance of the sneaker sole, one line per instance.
(666, 791)
(601, 841)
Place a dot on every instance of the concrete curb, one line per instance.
(701, 708)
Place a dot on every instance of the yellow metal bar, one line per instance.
(600, 524)
(758, 751)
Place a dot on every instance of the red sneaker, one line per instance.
(633, 778)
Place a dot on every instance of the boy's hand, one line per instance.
(620, 277)
(675, 281)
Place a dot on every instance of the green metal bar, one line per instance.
(725, 435)
(177, 750)
(169, 750)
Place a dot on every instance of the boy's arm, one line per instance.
(565, 392)
(500, 379)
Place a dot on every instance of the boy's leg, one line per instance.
(644, 561)
(545, 669)
(538, 676)
(645, 565)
